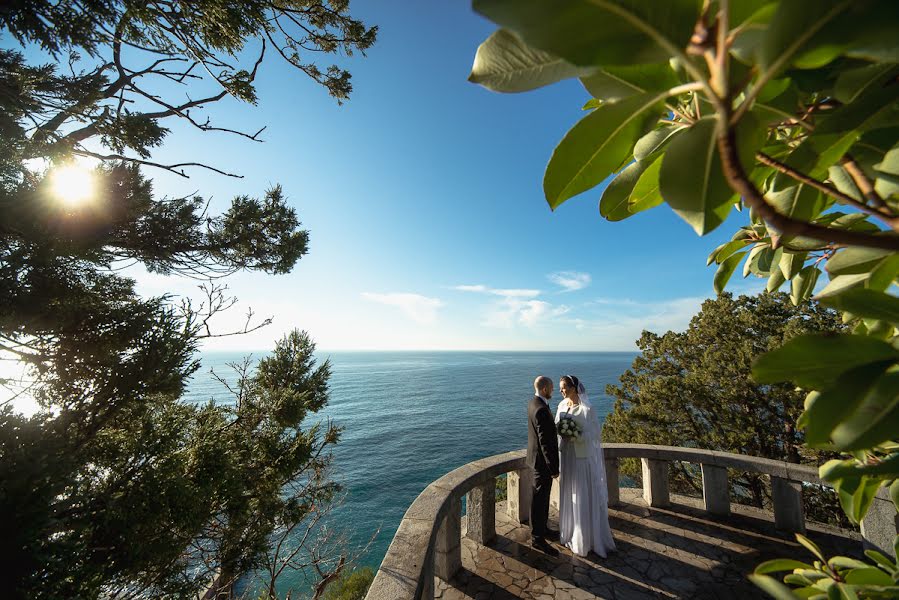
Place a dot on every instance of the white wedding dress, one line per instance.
(583, 495)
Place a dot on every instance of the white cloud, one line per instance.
(570, 280)
(505, 293)
(509, 312)
(420, 309)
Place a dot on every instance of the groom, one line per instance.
(543, 458)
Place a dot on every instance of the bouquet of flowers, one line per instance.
(568, 428)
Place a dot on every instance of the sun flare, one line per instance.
(72, 184)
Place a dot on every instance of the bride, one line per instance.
(583, 495)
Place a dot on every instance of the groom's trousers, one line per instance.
(543, 483)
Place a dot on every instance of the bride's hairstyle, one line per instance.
(572, 381)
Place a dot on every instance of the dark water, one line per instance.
(410, 417)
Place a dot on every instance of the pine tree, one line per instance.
(117, 487)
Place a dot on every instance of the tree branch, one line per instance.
(739, 182)
(861, 180)
(891, 221)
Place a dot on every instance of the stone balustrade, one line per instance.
(428, 540)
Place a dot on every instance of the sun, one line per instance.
(72, 184)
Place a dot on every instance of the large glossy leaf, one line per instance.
(866, 303)
(815, 361)
(613, 83)
(691, 180)
(868, 576)
(813, 38)
(780, 564)
(504, 63)
(599, 32)
(836, 134)
(724, 251)
(655, 140)
(725, 270)
(838, 401)
(613, 205)
(876, 419)
(799, 202)
(803, 284)
(791, 263)
(855, 260)
(775, 280)
(853, 82)
(884, 274)
(597, 145)
(646, 193)
(772, 587)
(841, 283)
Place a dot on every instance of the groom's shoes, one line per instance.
(544, 546)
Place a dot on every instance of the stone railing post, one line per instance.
(655, 482)
(448, 550)
(481, 509)
(788, 511)
(612, 481)
(880, 525)
(715, 491)
(427, 574)
(519, 490)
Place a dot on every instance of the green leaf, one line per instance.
(811, 547)
(772, 587)
(845, 562)
(868, 576)
(726, 250)
(846, 592)
(791, 263)
(876, 419)
(843, 182)
(597, 145)
(613, 205)
(780, 564)
(803, 284)
(655, 140)
(836, 134)
(881, 560)
(866, 303)
(791, 32)
(614, 83)
(884, 274)
(691, 180)
(840, 283)
(852, 82)
(775, 280)
(725, 270)
(894, 492)
(815, 361)
(801, 202)
(504, 63)
(863, 498)
(646, 193)
(855, 260)
(599, 32)
(838, 401)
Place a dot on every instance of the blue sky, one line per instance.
(423, 197)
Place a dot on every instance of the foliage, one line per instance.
(502, 488)
(789, 110)
(838, 577)
(695, 389)
(116, 487)
(352, 585)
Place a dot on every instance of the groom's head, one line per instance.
(544, 387)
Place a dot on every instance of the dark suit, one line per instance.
(543, 458)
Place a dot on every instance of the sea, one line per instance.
(411, 417)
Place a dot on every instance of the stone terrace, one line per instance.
(668, 546)
(675, 552)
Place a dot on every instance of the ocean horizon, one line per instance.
(411, 416)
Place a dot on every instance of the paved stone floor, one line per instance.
(676, 552)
